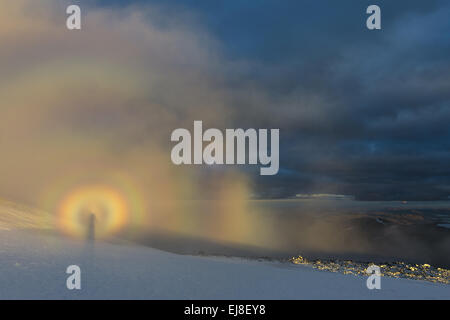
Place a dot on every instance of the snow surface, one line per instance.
(33, 266)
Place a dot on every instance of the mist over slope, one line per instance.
(21, 217)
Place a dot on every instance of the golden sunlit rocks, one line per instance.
(394, 269)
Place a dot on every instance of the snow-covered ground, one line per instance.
(33, 266)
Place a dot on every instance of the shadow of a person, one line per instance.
(91, 228)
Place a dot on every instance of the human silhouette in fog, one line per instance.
(91, 228)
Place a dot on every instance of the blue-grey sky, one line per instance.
(361, 112)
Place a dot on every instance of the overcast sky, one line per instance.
(360, 112)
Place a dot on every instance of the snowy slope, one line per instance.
(16, 216)
(32, 266)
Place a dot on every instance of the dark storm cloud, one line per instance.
(367, 117)
(361, 112)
